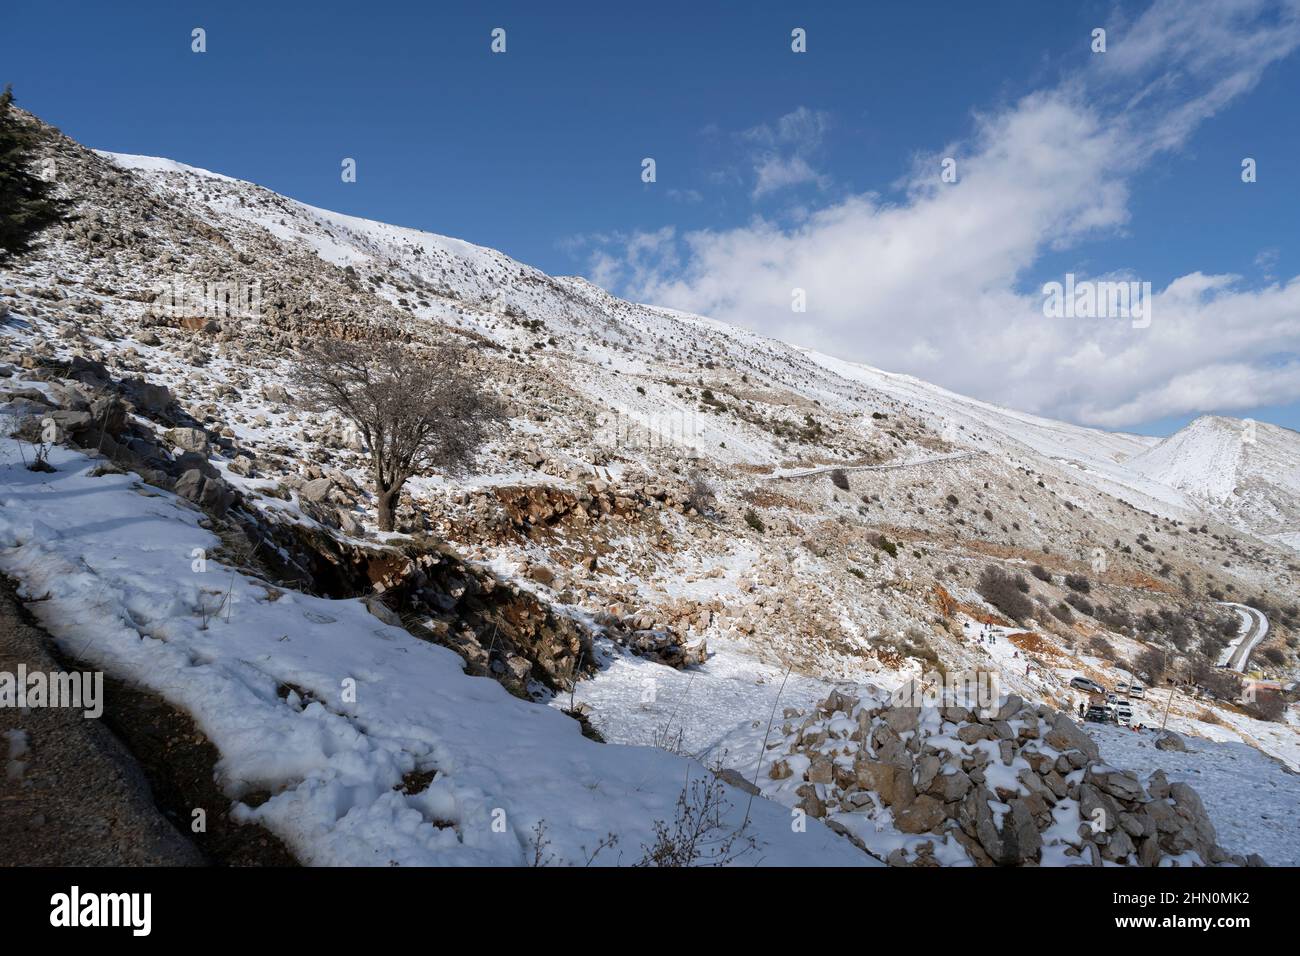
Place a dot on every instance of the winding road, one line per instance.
(1237, 655)
(888, 466)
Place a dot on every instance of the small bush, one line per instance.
(1077, 582)
(840, 479)
(700, 494)
(1000, 589)
(754, 521)
(1101, 647)
(1079, 603)
(1041, 573)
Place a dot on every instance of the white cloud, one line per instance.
(775, 172)
(783, 151)
(935, 285)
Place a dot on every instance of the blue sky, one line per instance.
(777, 170)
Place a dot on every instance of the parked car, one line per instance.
(1112, 698)
(1131, 690)
(1099, 715)
(1091, 686)
(1123, 714)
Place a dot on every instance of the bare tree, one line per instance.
(418, 409)
(1151, 663)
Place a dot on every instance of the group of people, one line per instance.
(986, 633)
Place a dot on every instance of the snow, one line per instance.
(112, 560)
(716, 713)
(1253, 485)
(1201, 459)
(332, 793)
(1251, 798)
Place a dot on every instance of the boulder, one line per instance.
(1120, 784)
(810, 801)
(189, 439)
(1020, 837)
(923, 814)
(1066, 735)
(901, 719)
(950, 786)
(375, 605)
(210, 493)
(316, 490)
(975, 818)
(1010, 707)
(891, 781)
(820, 769)
(1170, 741)
(735, 778)
(970, 733)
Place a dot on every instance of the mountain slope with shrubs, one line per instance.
(655, 492)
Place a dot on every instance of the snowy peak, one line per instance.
(1213, 456)
(1202, 459)
(1245, 472)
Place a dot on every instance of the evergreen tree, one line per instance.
(27, 202)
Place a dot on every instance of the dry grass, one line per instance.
(1036, 644)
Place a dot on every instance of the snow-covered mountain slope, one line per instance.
(332, 711)
(1248, 471)
(475, 287)
(743, 508)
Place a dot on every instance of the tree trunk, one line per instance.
(387, 502)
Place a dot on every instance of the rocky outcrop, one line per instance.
(499, 628)
(1017, 785)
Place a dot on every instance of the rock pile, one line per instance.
(1019, 785)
